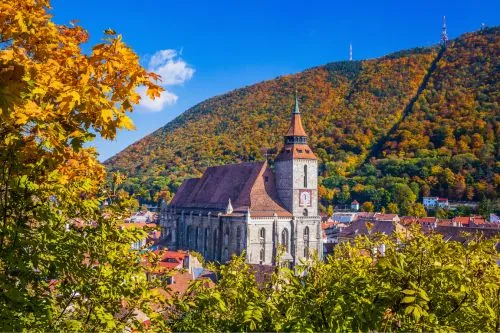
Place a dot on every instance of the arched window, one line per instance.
(188, 234)
(284, 239)
(226, 236)
(226, 254)
(262, 256)
(196, 235)
(207, 234)
(214, 248)
(262, 235)
(305, 212)
(305, 176)
(306, 242)
(238, 240)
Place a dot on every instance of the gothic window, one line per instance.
(262, 235)
(207, 234)
(188, 234)
(306, 242)
(238, 240)
(226, 254)
(305, 213)
(196, 235)
(262, 256)
(284, 239)
(214, 248)
(305, 176)
(226, 236)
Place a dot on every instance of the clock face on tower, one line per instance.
(305, 198)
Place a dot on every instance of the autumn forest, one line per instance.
(387, 131)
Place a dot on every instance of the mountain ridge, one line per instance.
(356, 114)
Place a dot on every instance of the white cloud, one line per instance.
(173, 71)
(166, 98)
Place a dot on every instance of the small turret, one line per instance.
(229, 208)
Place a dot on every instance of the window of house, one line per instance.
(262, 235)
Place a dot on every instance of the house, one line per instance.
(355, 205)
(370, 227)
(435, 202)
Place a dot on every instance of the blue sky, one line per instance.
(223, 45)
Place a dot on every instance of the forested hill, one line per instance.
(388, 130)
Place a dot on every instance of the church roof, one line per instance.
(247, 185)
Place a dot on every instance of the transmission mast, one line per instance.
(444, 34)
(350, 52)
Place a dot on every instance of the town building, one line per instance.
(355, 205)
(251, 207)
(435, 202)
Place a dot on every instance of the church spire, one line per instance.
(296, 110)
(296, 132)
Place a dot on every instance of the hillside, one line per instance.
(417, 122)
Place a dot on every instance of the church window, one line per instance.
(262, 235)
(196, 235)
(226, 236)
(188, 234)
(214, 248)
(306, 242)
(305, 212)
(207, 234)
(305, 176)
(226, 254)
(238, 240)
(284, 239)
(262, 255)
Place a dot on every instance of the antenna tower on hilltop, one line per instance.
(350, 52)
(444, 33)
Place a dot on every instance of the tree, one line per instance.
(419, 283)
(393, 208)
(368, 206)
(403, 196)
(65, 263)
(416, 209)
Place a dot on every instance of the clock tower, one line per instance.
(297, 170)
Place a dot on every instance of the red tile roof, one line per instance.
(248, 185)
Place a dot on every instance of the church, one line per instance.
(251, 207)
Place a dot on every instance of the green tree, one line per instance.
(418, 283)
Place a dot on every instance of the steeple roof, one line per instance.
(296, 128)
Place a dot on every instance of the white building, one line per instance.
(434, 202)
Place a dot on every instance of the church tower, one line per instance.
(296, 170)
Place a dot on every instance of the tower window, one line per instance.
(262, 235)
(305, 176)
